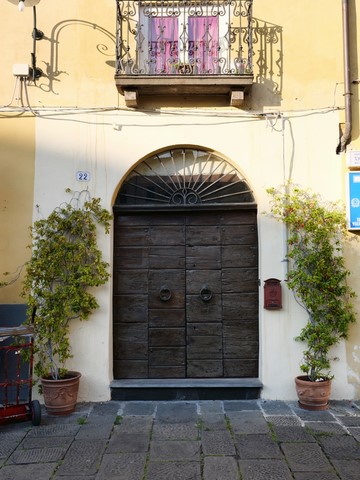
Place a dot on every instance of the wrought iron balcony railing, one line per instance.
(183, 39)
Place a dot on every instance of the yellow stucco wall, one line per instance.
(79, 122)
(17, 154)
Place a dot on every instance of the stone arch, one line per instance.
(184, 177)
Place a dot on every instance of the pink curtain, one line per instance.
(203, 44)
(163, 44)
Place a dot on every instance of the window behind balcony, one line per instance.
(174, 37)
(184, 47)
(195, 52)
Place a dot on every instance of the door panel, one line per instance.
(166, 235)
(135, 281)
(197, 279)
(166, 257)
(199, 311)
(239, 280)
(186, 295)
(130, 308)
(205, 369)
(166, 318)
(203, 235)
(239, 257)
(238, 235)
(203, 257)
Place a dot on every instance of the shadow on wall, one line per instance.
(53, 71)
(267, 61)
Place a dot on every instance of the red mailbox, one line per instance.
(272, 294)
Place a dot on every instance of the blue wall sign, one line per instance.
(353, 200)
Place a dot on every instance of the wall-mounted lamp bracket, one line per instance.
(35, 72)
(37, 34)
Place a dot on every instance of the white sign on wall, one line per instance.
(353, 158)
(82, 176)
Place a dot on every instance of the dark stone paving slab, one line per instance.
(76, 477)
(6, 449)
(57, 430)
(348, 469)
(264, 470)
(173, 471)
(139, 408)
(350, 421)
(217, 443)
(14, 434)
(105, 408)
(214, 407)
(315, 475)
(343, 407)
(82, 458)
(355, 432)
(292, 434)
(42, 471)
(36, 455)
(248, 422)
(213, 422)
(305, 457)
(312, 416)
(175, 412)
(241, 405)
(46, 442)
(122, 467)
(82, 410)
(128, 443)
(175, 450)
(320, 428)
(178, 431)
(257, 446)
(136, 424)
(221, 468)
(276, 408)
(93, 429)
(9, 440)
(184, 440)
(341, 447)
(283, 420)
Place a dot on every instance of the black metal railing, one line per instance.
(184, 37)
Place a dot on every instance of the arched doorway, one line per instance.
(185, 298)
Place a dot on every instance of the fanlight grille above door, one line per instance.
(184, 177)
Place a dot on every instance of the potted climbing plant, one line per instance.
(65, 263)
(317, 275)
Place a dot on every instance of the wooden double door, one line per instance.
(185, 301)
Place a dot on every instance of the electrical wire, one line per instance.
(235, 116)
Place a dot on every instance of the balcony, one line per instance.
(184, 47)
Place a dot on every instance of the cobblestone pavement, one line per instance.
(195, 440)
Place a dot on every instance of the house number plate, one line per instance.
(82, 176)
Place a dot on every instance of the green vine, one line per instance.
(64, 264)
(317, 272)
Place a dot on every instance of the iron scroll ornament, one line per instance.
(165, 294)
(206, 293)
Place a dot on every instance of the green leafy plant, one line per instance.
(82, 421)
(317, 273)
(65, 263)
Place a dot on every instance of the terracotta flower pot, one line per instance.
(313, 395)
(60, 396)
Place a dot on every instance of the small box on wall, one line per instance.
(272, 294)
(353, 159)
(353, 200)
